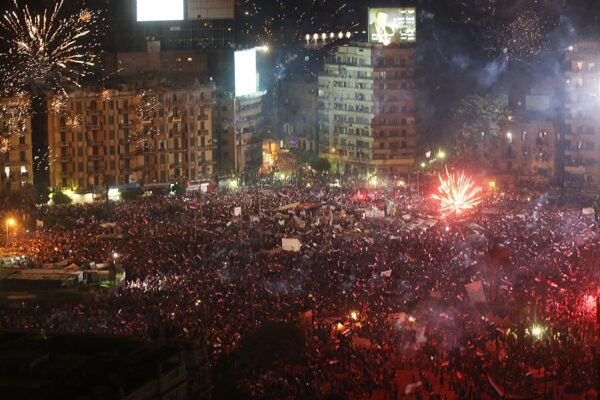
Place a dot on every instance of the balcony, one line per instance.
(575, 170)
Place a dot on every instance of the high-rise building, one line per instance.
(239, 133)
(366, 101)
(297, 113)
(582, 142)
(15, 144)
(110, 137)
(175, 24)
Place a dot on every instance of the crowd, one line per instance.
(210, 268)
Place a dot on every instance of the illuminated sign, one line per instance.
(160, 10)
(246, 78)
(392, 25)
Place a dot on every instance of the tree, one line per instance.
(320, 164)
(24, 198)
(59, 198)
(178, 189)
(479, 119)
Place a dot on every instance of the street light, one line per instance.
(9, 222)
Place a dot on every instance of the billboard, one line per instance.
(392, 25)
(160, 10)
(246, 77)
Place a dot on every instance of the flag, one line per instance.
(387, 273)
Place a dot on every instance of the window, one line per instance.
(542, 138)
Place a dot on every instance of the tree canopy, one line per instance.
(481, 115)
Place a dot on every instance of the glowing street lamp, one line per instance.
(9, 222)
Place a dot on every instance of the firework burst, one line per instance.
(5, 145)
(47, 51)
(525, 36)
(106, 95)
(14, 112)
(457, 194)
(146, 130)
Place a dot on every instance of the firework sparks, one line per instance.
(525, 36)
(14, 112)
(457, 193)
(148, 103)
(5, 145)
(106, 95)
(58, 104)
(46, 51)
(43, 158)
(73, 120)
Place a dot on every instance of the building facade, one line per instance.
(582, 124)
(15, 144)
(239, 133)
(112, 137)
(297, 113)
(367, 121)
(526, 154)
(205, 24)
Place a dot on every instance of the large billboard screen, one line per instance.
(160, 10)
(246, 79)
(392, 25)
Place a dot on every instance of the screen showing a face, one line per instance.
(246, 81)
(160, 10)
(392, 25)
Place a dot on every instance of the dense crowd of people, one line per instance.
(373, 292)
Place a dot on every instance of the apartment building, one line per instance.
(239, 133)
(15, 144)
(366, 103)
(112, 137)
(582, 104)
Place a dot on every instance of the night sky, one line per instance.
(463, 46)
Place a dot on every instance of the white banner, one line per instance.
(290, 244)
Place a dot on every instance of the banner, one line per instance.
(290, 244)
(475, 292)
